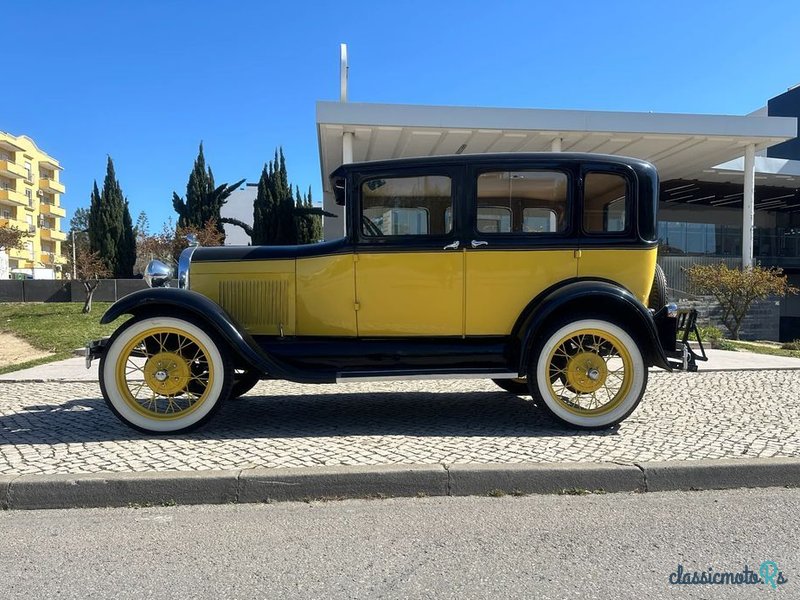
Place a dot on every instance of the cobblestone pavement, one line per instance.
(66, 427)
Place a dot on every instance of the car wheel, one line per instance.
(589, 373)
(518, 385)
(243, 382)
(164, 374)
(658, 293)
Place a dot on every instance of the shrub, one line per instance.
(737, 289)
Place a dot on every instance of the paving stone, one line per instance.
(65, 428)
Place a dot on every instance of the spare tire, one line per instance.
(658, 293)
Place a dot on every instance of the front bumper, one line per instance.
(94, 349)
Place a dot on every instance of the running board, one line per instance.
(356, 376)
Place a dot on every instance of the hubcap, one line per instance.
(166, 373)
(586, 372)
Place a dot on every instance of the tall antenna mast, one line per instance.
(343, 72)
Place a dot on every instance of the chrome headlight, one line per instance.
(183, 267)
(157, 274)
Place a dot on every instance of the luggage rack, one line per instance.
(686, 326)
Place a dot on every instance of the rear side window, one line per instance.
(605, 206)
(399, 206)
(522, 202)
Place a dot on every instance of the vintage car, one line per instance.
(534, 270)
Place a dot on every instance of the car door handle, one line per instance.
(452, 246)
(479, 243)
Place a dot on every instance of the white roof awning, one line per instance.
(684, 146)
(778, 172)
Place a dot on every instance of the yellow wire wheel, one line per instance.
(164, 374)
(590, 373)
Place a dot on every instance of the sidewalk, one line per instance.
(74, 369)
(60, 446)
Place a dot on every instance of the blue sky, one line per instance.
(145, 81)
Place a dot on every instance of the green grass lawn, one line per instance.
(57, 327)
(759, 348)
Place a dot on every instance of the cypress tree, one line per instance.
(93, 225)
(315, 233)
(263, 211)
(281, 215)
(110, 226)
(302, 221)
(127, 255)
(287, 230)
(204, 200)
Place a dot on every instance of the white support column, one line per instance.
(555, 145)
(347, 147)
(748, 208)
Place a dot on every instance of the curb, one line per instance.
(25, 492)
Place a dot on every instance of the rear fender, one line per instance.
(600, 298)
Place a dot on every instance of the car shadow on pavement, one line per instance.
(486, 414)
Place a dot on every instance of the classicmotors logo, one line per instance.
(768, 573)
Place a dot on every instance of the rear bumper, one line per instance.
(675, 328)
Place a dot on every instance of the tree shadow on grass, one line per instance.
(424, 414)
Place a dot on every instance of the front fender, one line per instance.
(168, 301)
(600, 297)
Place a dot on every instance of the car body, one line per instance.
(534, 270)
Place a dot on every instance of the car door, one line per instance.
(521, 240)
(409, 262)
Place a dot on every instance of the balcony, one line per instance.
(52, 209)
(13, 223)
(53, 234)
(10, 196)
(11, 169)
(51, 185)
(19, 254)
(46, 258)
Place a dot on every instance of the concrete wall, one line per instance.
(32, 290)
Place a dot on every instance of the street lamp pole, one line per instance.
(74, 268)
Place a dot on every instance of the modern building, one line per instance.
(239, 206)
(30, 200)
(730, 184)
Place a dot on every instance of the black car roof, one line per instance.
(639, 165)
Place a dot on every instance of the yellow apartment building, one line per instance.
(30, 199)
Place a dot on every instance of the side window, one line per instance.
(604, 203)
(523, 202)
(399, 206)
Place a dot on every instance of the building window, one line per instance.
(29, 175)
(400, 206)
(29, 195)
(29, 247)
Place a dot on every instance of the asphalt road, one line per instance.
(596, 546)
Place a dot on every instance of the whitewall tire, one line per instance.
(164, 374)
(589, 373)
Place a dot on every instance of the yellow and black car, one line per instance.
(535, 270)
